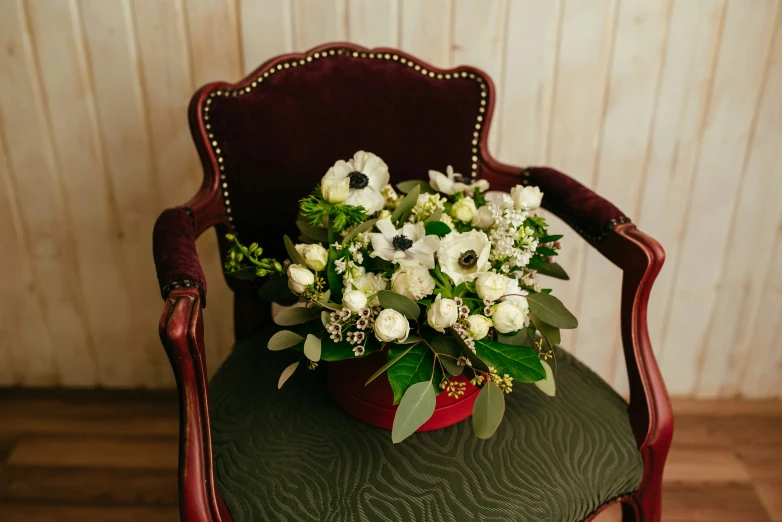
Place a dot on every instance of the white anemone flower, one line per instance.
(464, 256)
(408, 246)
(453, 183)
(368, 175)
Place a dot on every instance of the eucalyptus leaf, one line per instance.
(402, 304)
(488, 411)
(312, 348)
(551, 333)
(436, 228)
(476, 361)
(406, 205)
(446, 345)
(406, 186)
(547, 385)
(519, 362)
(436, 215)
(294, 315)
(325, 318)
(286, 374)
(414, 366)
(284, 339)
(275, 289)
(554, 270)
(450, 365)
(551, 310)
(389, 363)
(320, 235)
(292, 252)
(416, 407)
(363, 227)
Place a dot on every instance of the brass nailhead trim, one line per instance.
(331, 52)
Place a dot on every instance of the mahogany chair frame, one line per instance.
(639, 256)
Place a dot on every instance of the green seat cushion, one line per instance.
(293, 454)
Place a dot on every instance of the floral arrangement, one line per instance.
(441, 275)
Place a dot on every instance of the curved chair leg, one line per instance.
(645, 505)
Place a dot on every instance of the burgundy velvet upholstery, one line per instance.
(174, 250)
(587, 212)
(280, 138)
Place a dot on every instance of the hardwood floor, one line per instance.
(70, 456)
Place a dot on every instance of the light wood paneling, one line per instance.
(671, 109)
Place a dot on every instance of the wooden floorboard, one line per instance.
(112, 456)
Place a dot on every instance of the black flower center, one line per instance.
(402, 242)
(458, 178)
(358, 180)
(468, 259)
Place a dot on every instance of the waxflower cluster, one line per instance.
(444, 268)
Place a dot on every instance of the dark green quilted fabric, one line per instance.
(293, 455)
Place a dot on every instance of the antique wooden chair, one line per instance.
(292, 454)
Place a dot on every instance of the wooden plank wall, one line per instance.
(672, 109)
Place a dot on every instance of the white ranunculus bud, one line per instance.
(484, 218)
(507, 317)
(314, 255)
(413, 282)
(299, 278)
(464, 210)
(354, 300)
(335, 189)
(526, 198)
(442, 314)
(491, 285)
(391, 326)
(478, 326)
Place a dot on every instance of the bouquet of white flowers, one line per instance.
(441, 275)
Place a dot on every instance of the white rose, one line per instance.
(390, 326)
(526, 198)
(484, 218)
(299, 278)
(465, 256)
(354, 300)
(314, 255)
(413, 282)
(478, 326)
(507, 317)
(464, 210)
(442, 314)
(491, 285)
(370, 284)
(335, 188)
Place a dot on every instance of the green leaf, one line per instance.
(363, 227)
(389, 363)
(547, 385)
(448, 351)
(292, 252)
(452, 368)
(312, 348)
(414, 366)
(334, 279)
(416, 407)
(488, 411)
(339, 351)
(286, 374)
(519, 362)
(275, 289)
(476, 361)
(436, 215)
(406, 186)
(551, 333)
(520, 338)
(550, 238)
(554, 270)
(295, 315)
(325, 318)
(319, 234)
(411, 339)
(551, 310)
(436, 228)
(406, 205)
(284, 339)
(402, 304)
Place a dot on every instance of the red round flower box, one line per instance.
(374, 403)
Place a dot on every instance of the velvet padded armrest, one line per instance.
(174, 249)
(584, 210)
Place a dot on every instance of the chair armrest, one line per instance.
(174, 250)
(586, 212)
